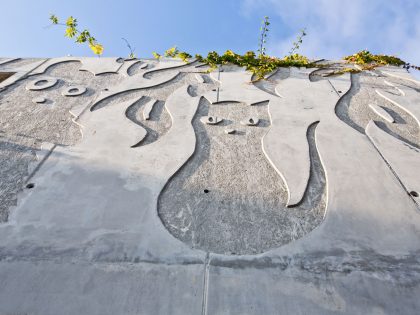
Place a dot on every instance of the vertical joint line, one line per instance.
(393, 172)
(218, 79)
(36, 169)
(205, 284)
(334, 88)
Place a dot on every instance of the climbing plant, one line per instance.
(173, 52)
(298, 42)
(80, 36)
(131, 55)
(260, 64)
(367, 61)
(263, 36)
(366, 58)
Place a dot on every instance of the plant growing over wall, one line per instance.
(366, 59)
(173, 52)
(81, 36)
(260, 65)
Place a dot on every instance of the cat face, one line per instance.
(234, 118)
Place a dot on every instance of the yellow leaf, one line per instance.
(70, 32)
(97, 49)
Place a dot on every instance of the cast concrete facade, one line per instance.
(155, 187)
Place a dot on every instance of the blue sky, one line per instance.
(335, 27)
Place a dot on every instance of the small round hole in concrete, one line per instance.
(414, 193)
(30, 185)
(251, 121)
(214, 90)
(340, 92)
(206, 191)
(105, 89)
(210, 119)
(73, 90)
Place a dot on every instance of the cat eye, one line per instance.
(211, 120)
(250, 121)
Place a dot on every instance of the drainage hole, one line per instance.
(206, 191)
(414, 193)
(340, 92)
(30, 185)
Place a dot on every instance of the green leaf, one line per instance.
(54, 19)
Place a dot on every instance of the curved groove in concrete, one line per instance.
(271, 82)
(98, 66)
(162, 67)
(115, 117)
(288, 156)
(132, 83)
(7, 60)
(399, 74)
(409, 101)
(47, 83)
(138, 68)
(129, 64)
(147, 109)
(235, 86)
(299, 152)
(324, 73)
(342, 107)
(403, 159)
(381, 112)
(74, 90)
(314, 76)
(156, 126)
(382, 125)
(356, 113)
(20, 71)
(199, 78)
(286, 143)
(53, 62)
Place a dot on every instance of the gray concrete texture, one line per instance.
(155, 187)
